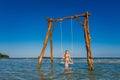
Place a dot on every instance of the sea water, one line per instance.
(26, 69)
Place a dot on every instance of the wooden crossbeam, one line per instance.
(68, 17)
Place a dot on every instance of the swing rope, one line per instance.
(61, 36)
(72, 38)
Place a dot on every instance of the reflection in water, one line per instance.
(46, 74)
(67, 74)
(91, 76)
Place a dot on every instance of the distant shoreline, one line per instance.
(61, 57)
(3, 55)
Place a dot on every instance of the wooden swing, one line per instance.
(86, 35)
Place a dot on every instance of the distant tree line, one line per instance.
(3, 55)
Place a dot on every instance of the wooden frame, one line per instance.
(86, 36)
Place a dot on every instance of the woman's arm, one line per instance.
(70, 58)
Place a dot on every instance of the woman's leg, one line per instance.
(66, 64)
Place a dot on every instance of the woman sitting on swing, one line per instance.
(67, 59)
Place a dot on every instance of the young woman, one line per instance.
(67, 59)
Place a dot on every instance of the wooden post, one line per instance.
(45, 42)
(51, 47)
(87, 40)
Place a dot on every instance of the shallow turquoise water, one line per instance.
(26, 69)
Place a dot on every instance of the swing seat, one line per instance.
(71, 62)
(64, 62)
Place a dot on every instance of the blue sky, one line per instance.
(23, 27)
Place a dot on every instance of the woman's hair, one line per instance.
(66, 51)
